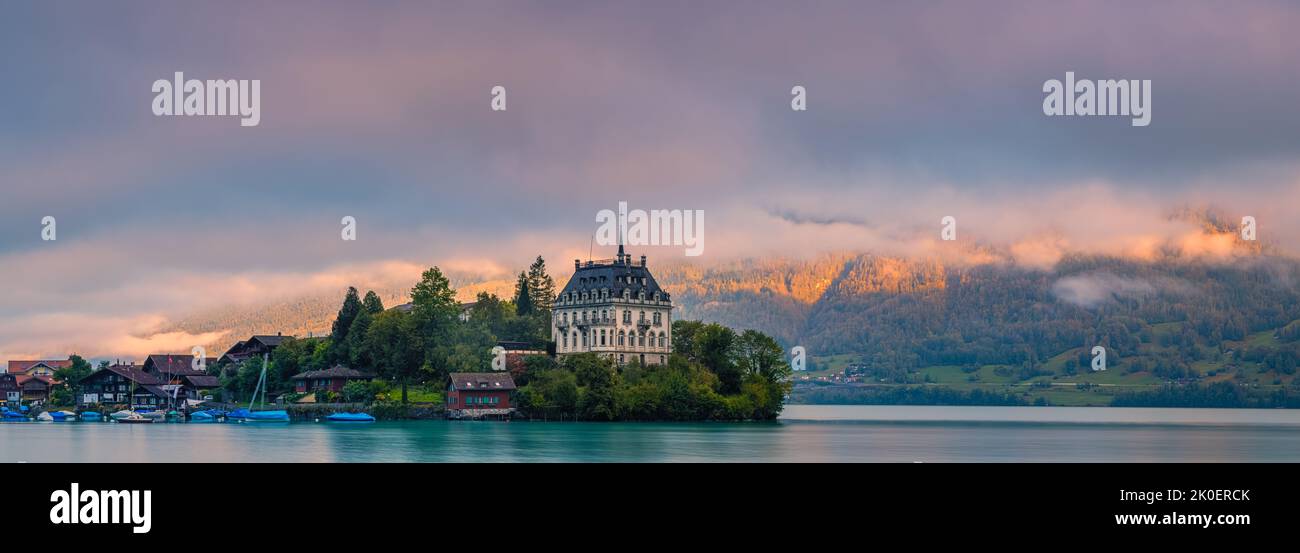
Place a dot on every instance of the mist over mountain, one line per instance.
(898, 314)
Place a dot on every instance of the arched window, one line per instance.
(641, 339)
(662, 341)
(642, 319)
(584, 339)
(604, 315)
(602, 336)
(620, 337)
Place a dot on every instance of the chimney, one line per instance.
(577, 264)
(643, 260)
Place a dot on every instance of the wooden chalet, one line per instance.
(42, 367)
(332, 379)
(480, 395)
(10, 392)
(256, 346)
(125, 385)
(35, 379)
(36, 388)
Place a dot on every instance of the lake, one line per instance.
(805, 433)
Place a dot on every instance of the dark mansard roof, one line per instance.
(616, 274)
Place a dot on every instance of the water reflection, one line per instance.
(806, 434)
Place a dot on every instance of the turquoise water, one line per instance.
(805, 433)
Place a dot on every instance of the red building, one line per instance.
(477, 395)
(332, 379)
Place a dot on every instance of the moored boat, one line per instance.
(91, 416)
(266, 416)
(134, 418)
(155, 416)
(249, 415)
(123, 414)
(45, 416)
(14, 416)
(350, 417)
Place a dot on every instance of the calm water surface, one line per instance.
(805, 433)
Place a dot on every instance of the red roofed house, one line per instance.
(479, 395)
(35, 379)
(43, 367)
(36, 387)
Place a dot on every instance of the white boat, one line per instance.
(123, 414)
(45, 416)
(133, 418)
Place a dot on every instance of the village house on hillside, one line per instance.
(42, 367)
(10, 393)
(480, 395)
(332, 379)
(123, 385)
(255, 346)
(179, 370)
(164, 381)
(35, 378)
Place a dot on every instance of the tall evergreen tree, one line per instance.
(372, 303)
(343, 322)
(434, 311)
(523, 297)
(541, 286)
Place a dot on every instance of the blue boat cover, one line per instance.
(267, 416)
(350, 417)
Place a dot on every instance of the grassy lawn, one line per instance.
(414, 394)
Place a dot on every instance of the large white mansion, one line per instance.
(614, 307)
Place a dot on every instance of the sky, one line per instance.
(381, 111)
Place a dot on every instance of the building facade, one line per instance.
(42, 367)
(128, 386)
(615, 308)
(332, 379)
(10, 392)
(480, 395)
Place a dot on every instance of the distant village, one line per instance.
(181, 383)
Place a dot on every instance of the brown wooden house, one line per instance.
(10, 392)
(332, 379)
(478, 395)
